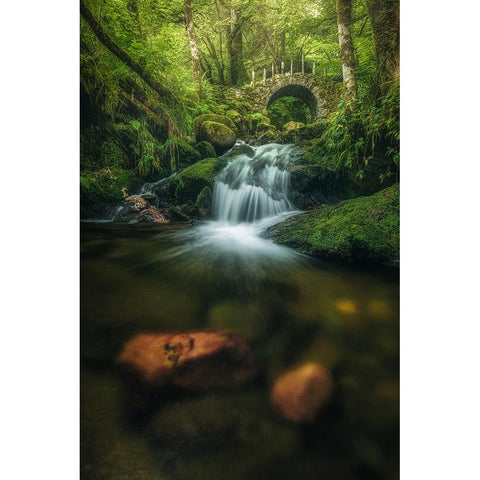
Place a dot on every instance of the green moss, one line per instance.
(103, 187)
(205, 149)
(219, 135)
(255, 119)
(364, 229)
(191, 181)
(198, 121)
(203, 202)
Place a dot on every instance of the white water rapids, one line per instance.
(250, 194)
(254, 185)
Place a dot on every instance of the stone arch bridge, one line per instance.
(316, 91)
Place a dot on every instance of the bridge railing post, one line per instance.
(283, 68)
(264, 81)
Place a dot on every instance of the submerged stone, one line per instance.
(299, 394)
(194, 361)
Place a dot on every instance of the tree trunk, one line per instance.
(238, 73)
(124, 56)
(132, 7)
(385, 20)
(192, 38)
(347, 54)
(218, 64)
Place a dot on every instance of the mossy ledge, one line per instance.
(193, 179)
(361, 230)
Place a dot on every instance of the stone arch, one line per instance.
(301, 88)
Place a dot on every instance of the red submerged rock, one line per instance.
(194, 361)
(299, 394)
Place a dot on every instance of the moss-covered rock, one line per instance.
(185, 154)
(205, 149)
(235, 117)
(240, 149)
(363, 229)
(191, 181)
(203, 204)
(224, 120)
(253, 120)
(219, 135)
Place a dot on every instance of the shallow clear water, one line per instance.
(290, 308)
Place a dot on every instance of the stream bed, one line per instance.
(291, 309)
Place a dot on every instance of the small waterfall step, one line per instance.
(252, 188)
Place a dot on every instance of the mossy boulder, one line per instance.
(203, 203)
(185, 155)
(219, 135)
(224, 120)
(192, 180)
(240, 149)
(363, 229)
(205, 149)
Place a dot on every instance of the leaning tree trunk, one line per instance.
(124, 56)
(347, 54)
(385, 20)
(192, 38)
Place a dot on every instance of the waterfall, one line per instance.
(254, 185)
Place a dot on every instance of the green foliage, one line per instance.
(103, 187)
(145, 149)
(287, 109)
(355, 137)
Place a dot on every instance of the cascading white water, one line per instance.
(254, 185)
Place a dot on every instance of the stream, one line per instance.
(222, 274)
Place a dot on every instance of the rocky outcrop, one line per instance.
(299, 394)
(194, 361)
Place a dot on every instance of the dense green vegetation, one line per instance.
(145, 77)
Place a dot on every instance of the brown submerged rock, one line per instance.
(194, 361)
(152, 214)
(299, 394)
(136, 203)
